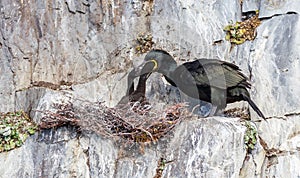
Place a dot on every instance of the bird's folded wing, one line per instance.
(210, 72)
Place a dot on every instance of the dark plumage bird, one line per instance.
(138, 94)
(211, 80)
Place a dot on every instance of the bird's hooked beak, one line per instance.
(147, 67)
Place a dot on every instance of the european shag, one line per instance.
(211, 80)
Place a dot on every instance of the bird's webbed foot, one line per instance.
(202, 109)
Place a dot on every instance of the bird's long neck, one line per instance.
(170, 79)
(170, 74)
(130, 83)
(141, 86)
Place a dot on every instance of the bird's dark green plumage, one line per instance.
(211, 80)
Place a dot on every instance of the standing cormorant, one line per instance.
(211, 80)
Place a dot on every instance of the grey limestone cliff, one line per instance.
(53, 50)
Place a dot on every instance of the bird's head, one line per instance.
(161, 61)
(155, 61)
(144, 71)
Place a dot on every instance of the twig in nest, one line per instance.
(148, 133)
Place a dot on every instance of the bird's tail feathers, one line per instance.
(254, 106)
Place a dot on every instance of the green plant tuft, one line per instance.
(237, 33)
(250, 138)
(15, 127)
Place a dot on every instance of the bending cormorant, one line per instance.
(211, 80)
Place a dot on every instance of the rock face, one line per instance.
(53, 50)
(64, 155)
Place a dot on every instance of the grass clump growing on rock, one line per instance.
(15, 127)
(239, 32)
(250, 138)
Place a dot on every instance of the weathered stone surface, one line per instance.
(250, 5)
(282, 134)
(193, 38)
(53, 51)
(253, 163)
(40, 158)
(283, 166)
(195, 151)
(269, 8)
(7, 85)
(192, 151)
(275, 49)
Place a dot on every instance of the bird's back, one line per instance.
(213, 73)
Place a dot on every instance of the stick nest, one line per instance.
(133, 121)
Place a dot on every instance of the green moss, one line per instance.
(15, 127)
(250, 138)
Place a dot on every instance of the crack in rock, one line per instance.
(275, 15)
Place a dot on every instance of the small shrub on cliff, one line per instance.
(250, 137)
(239, 32)
(15, 127)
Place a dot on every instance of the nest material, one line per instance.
(134, 121)
(242, 113)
